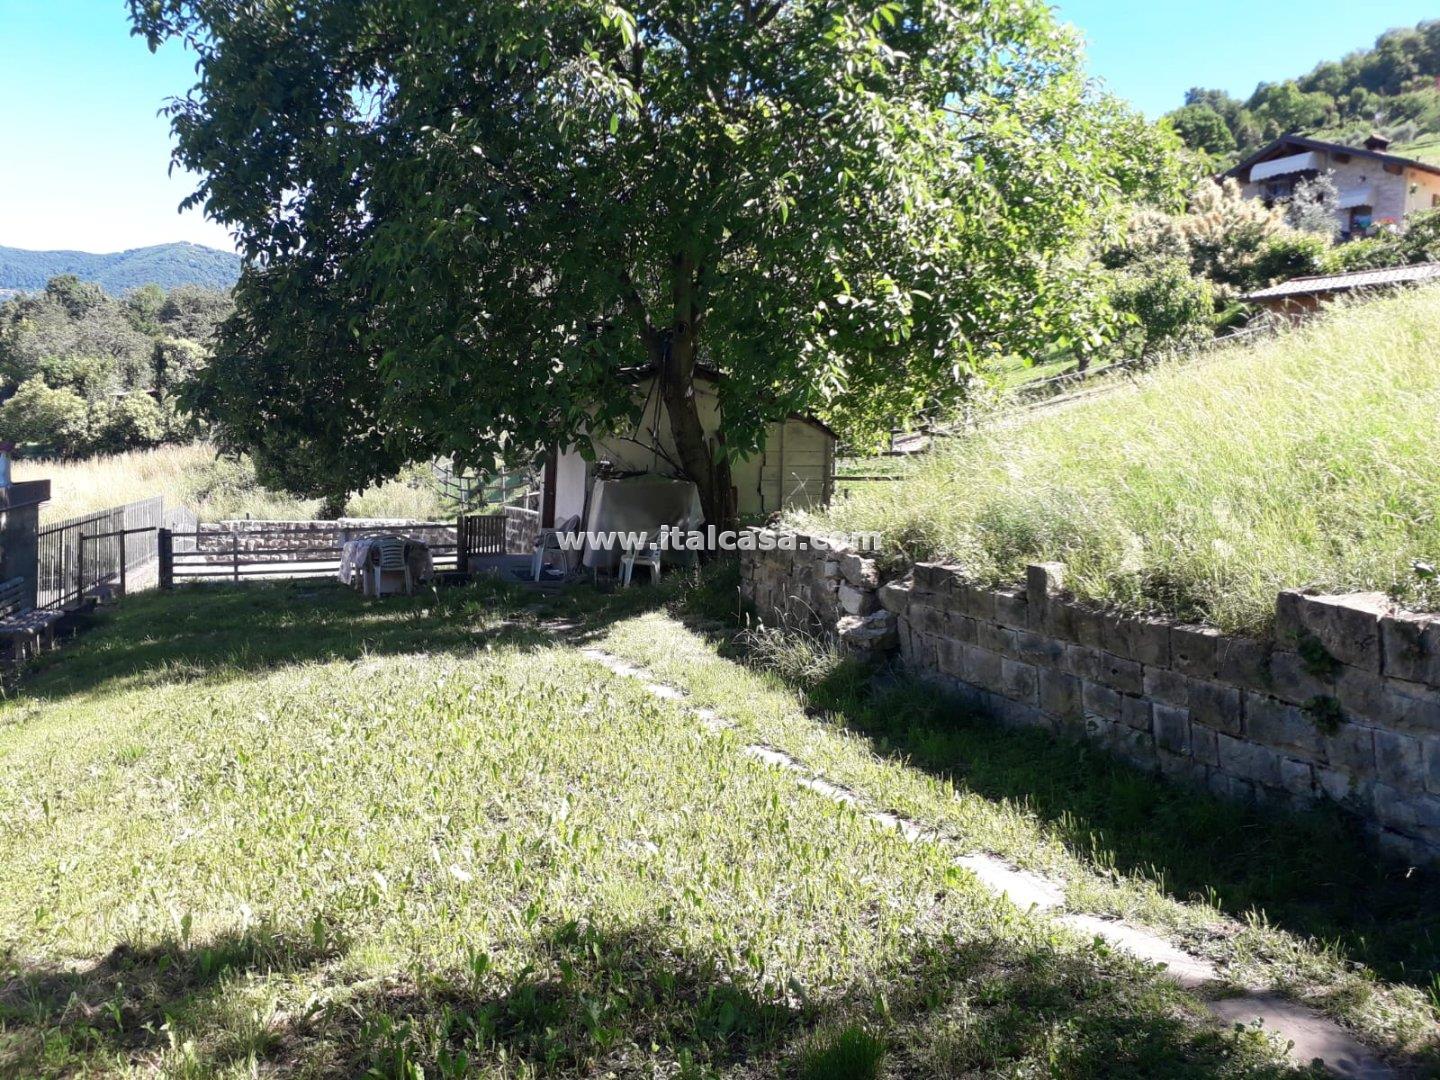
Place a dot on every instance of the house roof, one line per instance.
(1307, 143)
(1356, 279)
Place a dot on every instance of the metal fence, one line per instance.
(104, 547)
(466, 490)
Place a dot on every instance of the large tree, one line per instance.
(468, 225)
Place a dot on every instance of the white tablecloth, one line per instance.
(638, 504)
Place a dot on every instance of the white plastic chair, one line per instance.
(549, 540)
(388, 556)
(645, 554)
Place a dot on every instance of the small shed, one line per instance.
(795, 466)
(1301, 296)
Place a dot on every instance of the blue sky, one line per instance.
(84, 157)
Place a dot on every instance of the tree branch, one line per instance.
(635, 307)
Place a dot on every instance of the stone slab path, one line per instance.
(1312, 1035)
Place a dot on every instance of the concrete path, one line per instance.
(1312, 1035)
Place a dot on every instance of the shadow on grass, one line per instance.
(53, 1020)
(605, 1002)
(1311, 873)
(595, 1002)
(221, 632)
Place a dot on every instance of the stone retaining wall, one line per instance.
(256, 537)
(1341, 704)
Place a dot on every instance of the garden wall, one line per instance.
(1341, 704)
(255, 537)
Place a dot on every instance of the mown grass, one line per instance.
(192, 475)
(281, 830)
(1203, 489)
(1298, 903)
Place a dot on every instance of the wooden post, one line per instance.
(235, 554)
(165, 543)
(462, 554)
(122, 562)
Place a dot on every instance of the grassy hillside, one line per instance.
(1202, 490)
(192, 475)
(166, 265)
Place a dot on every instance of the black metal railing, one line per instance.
(104, 547)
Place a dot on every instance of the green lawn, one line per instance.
(279, 830)
(1203, 489)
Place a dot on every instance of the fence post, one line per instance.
(79, 567)
(165, 545)
(122, 562)
(462, 551)
(235, 554)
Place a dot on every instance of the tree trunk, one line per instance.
(709, 470)
(675, 370)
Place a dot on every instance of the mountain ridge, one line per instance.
(119, 272)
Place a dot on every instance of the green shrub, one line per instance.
(1169, 307)
(91, 377)
(43, 416)
(1289, 255)
(1367, 253)
(1420, 242)
(133, 422)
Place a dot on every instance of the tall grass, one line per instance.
(214, 487)
(1202, 490)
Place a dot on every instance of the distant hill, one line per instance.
(166, 265)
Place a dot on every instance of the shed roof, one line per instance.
(1356, 279)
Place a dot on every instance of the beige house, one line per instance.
(1376, 187)
(795, 466)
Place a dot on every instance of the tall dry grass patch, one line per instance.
(1201, 490)
(214, 487)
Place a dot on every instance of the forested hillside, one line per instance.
(166, 265)
(83, 372)
(1392, 88)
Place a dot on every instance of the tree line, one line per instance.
(82, 372)
(1390, 89)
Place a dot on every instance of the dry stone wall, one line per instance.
(1342, 703)
(255, 538)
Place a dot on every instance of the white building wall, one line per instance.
(792, 469)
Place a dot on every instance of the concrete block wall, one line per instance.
(1342, 703)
